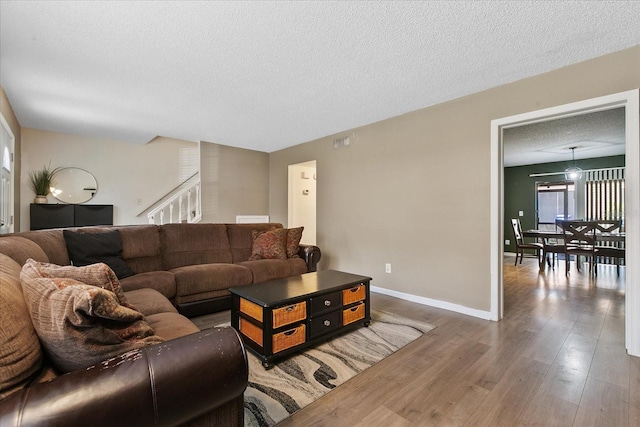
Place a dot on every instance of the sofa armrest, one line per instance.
(166, 384)
(311, 255)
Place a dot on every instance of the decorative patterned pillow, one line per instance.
(294, 235)
(269, 244)
(80, 325)
(90, 248)
(99, 274)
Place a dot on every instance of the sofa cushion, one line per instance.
(201, 278)
(141, 247)
(98, 274)
(190, 244)
(20, 351)
(20, 249)
(269, 244)
(171, 325)
(51, 242)
(294, 235)
(80, 325)
(90, 248)
(162, 281)
(268, 269)
(149, 301)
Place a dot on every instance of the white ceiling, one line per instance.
(600, 134)
(267, 75)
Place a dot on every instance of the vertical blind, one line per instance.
(604, 194)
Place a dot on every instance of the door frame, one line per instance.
(12, 188)
(630, 101)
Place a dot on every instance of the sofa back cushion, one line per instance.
(20, 351)
(241, 238)
(190, 244)
(52, 243)
(141, 247)
(20, 249)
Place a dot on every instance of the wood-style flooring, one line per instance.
(557, 359)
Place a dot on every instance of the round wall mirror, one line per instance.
(73, 185)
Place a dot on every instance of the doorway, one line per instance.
(630, 102)
(7, 176)
(302, 199)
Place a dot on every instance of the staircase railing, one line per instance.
(183, 206)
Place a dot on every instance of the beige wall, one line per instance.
(414, 190)
(235, 181)
(10, 117)
(131, 177)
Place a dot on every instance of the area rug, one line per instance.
(295, 382)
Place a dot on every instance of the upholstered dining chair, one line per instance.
(580, 240)
(521, 245)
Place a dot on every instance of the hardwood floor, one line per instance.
(557, 359)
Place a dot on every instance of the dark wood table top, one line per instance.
(551, 234)
(279, 291)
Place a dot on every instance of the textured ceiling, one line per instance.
(267, 75)
(590, 135)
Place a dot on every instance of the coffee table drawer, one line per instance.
(356, 293)
(353, 314)
(326, 323)
(325, 303)
(289, 314)
(289, 338)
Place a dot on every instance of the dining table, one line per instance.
(616, 237)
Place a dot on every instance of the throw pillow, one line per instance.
(269, 244)
(98, 274)
(81, 325)
(90, 248)
(294, 235)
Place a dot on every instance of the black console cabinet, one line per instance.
(61, 215)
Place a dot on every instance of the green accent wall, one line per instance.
(519, 189)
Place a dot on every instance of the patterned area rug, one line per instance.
(273, 395)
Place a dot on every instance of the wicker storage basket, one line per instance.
(352, 314)
(289, 314)
(289, 338)
(357, 293)
(251, 309)
(251, 331)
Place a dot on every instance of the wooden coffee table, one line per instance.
(279, 317)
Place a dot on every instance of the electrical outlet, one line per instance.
(387, 268)
(507, 242)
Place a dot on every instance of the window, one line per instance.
(604, 194)
(554, 201)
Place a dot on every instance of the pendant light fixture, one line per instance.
(573, 173)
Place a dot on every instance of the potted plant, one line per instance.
(40, 182)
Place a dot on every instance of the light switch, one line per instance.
(521, 213)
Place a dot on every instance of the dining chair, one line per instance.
(609, 250)
(580, 240)
(521, 245)
(553, 246)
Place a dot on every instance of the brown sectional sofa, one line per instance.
(193, 265)
(193, 378)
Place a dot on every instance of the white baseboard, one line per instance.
(486, 315)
